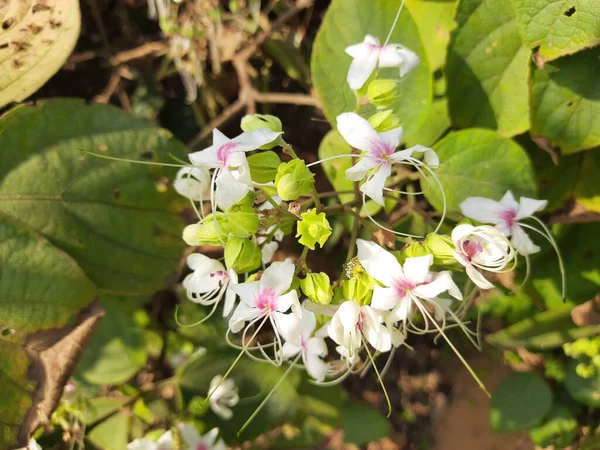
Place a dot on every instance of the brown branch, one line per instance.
(284, 97)
(150, 48)
(228, 112)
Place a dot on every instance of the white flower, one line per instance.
(352, 324)
(403, 286)
(369, 55)
(190, 436)
(266, 299)
(223, 396)
(32, 445)
(483, 248)
(379, 153)
(228, 158)
(209, 282)
(193, 183)
(311, 346)
(506, 214)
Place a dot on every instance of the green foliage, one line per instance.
(313, 228)
(478, 161)
(242, 255)
(584, 390)
(294, 180)
(363, 424)
(263, 166)
(317, 287)
(559, 429)
(520, 401)
(37, 45)
(346, 23)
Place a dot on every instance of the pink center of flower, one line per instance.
(266, 300)
(471, 249)
(202, 446)
(374, 48)
(220, 274)
(381, 151)
(404, 286)
(225, 151)
(508, 216)
(361, 321)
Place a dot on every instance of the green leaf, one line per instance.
(116, 219)
(347, 23)
(263, 166)
(435, 125)
(545, 330)
(435, 21)
(488, 68)
(289, 58)
(558, 27)
(584, 390)
(558, 429)
(588, 189)
(520, 401)
(41, 289)
(116, 351)
(565, 102)
(478, 162)
(363, 424)
(37, 40)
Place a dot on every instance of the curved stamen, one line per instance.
(133, 161)
(347, 155)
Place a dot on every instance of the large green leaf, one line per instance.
(584, 390)
(588, 188)
(488, 68)
(41, 289)
(114, 218)
(346, 23)
(565, 102)
(355, 417)
(559, 428)
(558, 27)
(36, 38)
(520, 401)
(478, 162)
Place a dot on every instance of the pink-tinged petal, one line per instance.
(309, 321)
(509, 201)
(478, 278)
(416, 269)
(289, 300)
(503, 228)
(482, 209)
(253, 140)
(288, 326)
(380, 264)
(401, 155)
(361, 68)
(384, 299)
(248, 292)
(442, 283)
(315, 367)
(400, 313)
(239, 168)
(242, 314)
(461, 258)
(460, 232)
(206, 158)
(371, 40)
(373, 188)
(359, 170)
(219, 138)
(190, 435)
(229, 191)
(358, 51)
(522, 242)
(316, 346)
(529, 206)
(358, 132)
(229, 302)
(203, 264)
(290, 350)
(348, 314)
(392, 137)
(278, 276)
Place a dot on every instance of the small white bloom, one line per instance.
(223, 396)
(380, 153)
(369, 55)
(506, 214)
(193, 183)
(353, 324)
(404, 286)
(144, 444)
(228, 158)
(312, 347)
(192, 439)
(209, 282)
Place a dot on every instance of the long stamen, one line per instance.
(437, 180)
(348, 155)
(387, 398)
(389, 36)
(213, 204)
(364, 198)
(204, 319)
(148, 163)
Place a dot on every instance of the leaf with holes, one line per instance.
(347, 23)
(116, 219)
(565, 102)
(478, 162)
(36, 38)
(558, 27)
(488, 68)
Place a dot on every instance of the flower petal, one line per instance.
(315, 367)
(242, 314)
(248, 292)
(268, 251)
(373, 188)
(401, 311)
(478, 278)
(482, 209)
(189, 434)
(522, 242)
(359, 170)
(509, 201)
(290, 300)
(392, 137)
(347, 314)
(253, 140)
(416, 269)
(278, 276)
(362, 66)
(316, 346)
(229, 190)
(380, 264)
(137, 444)
(442, 283)
(202, 264)
(529, 206)
(229, 302)
(206, 158)
(219, 138)
(395, 55)
(358, 132)
(309, 321)
(288, 326)
(239, 168)
(290, 350)
(384, 299)
(193, 183)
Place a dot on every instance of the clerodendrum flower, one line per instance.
(228, 159)
(505, 215)
(209, 282)
(267, 299)
(193, 183)
(190, 437)
(404, 286)
(369, 54)
(481, 248)
(223, 395)
(312, 347)
(380, 153)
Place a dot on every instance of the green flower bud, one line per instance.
(263, 166)
(384, 121)
(294, 180)
(383, 93)
(313, 228)
(317, 287)
(253, 122)
(357, 290)
(242, 255)
(414, 250)
(441, 246)
(242, 221)
(207, 232)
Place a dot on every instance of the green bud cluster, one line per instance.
(313, 228)
(294, 180)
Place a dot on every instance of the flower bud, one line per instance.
(242, 221)
(441, 247)
(207, 232)
(253, 122)
(294, 180)
(384, 121)
(357, 290)
(313, 228)
(317, 287)
(414, 250)
(263, 166)
(383, 93)
(242, 255)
